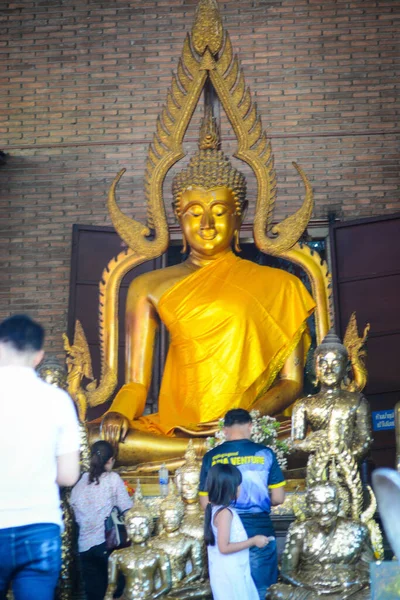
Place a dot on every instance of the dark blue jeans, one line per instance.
(264, 567)
(30, 560)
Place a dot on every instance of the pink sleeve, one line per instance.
(124, 501)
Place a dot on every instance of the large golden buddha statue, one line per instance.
(238, 331)
(233, 325)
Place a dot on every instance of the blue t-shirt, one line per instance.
(260, 471)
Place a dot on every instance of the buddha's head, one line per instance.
(331, 359)
(138, 520)
(187, 477)
(209, 196)
(323, 504)
(172, 510)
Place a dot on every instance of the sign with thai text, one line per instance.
(382, 419)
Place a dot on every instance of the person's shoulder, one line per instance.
(52, 392)
(83, 481)
(114, 478)
(210, 453)
(258, 447)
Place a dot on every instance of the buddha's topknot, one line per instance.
(209, 168)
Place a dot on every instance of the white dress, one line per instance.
(230, 576)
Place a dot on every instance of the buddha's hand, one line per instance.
(114, 428)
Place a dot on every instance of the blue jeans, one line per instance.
(264, 567)
(30, 560)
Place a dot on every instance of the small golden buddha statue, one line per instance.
(325, 556)
(231, 343)
(184, 552)
(336, 418)
(146, 569)
(187, 480)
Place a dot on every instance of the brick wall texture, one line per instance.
(82, 82)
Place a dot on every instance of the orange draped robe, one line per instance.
(232, 325)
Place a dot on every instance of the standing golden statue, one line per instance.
(238, 331)
(147, 570)
(326, 556)
(336, 418)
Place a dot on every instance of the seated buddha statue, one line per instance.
(334, 417)
(147, 570)
(184, 552)
(238, 330)
(325, 556)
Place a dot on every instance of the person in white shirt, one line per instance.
(39, 446)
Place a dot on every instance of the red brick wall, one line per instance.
(83, 81)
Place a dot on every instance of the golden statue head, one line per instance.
(52, 372)
(209, 195)
(331, 360)
(138, 520)
(187, 477)
(323, 503)
(172, 510)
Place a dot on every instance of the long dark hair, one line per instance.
(222, 484)
(100, 454)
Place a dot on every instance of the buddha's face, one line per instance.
(189, 485)
(171, 519)
(138, 529)
(209, 219)
(330, 367)
(323, 505)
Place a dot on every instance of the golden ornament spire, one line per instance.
(207, 30)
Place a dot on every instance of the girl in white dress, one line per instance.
(226, 539)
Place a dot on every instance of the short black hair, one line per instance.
(237, 416)
(21, 332)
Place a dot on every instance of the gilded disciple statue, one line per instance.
(336, 418)
(326, 556)
(146, 570)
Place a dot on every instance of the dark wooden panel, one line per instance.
(95, 251)
(383, 364)
(362, 248)
(376, 301)
(366, 277)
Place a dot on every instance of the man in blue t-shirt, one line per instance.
(262, 487)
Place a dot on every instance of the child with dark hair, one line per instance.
(93, 498)
(226, 539)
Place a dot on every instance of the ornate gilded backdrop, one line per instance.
(207, 58)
